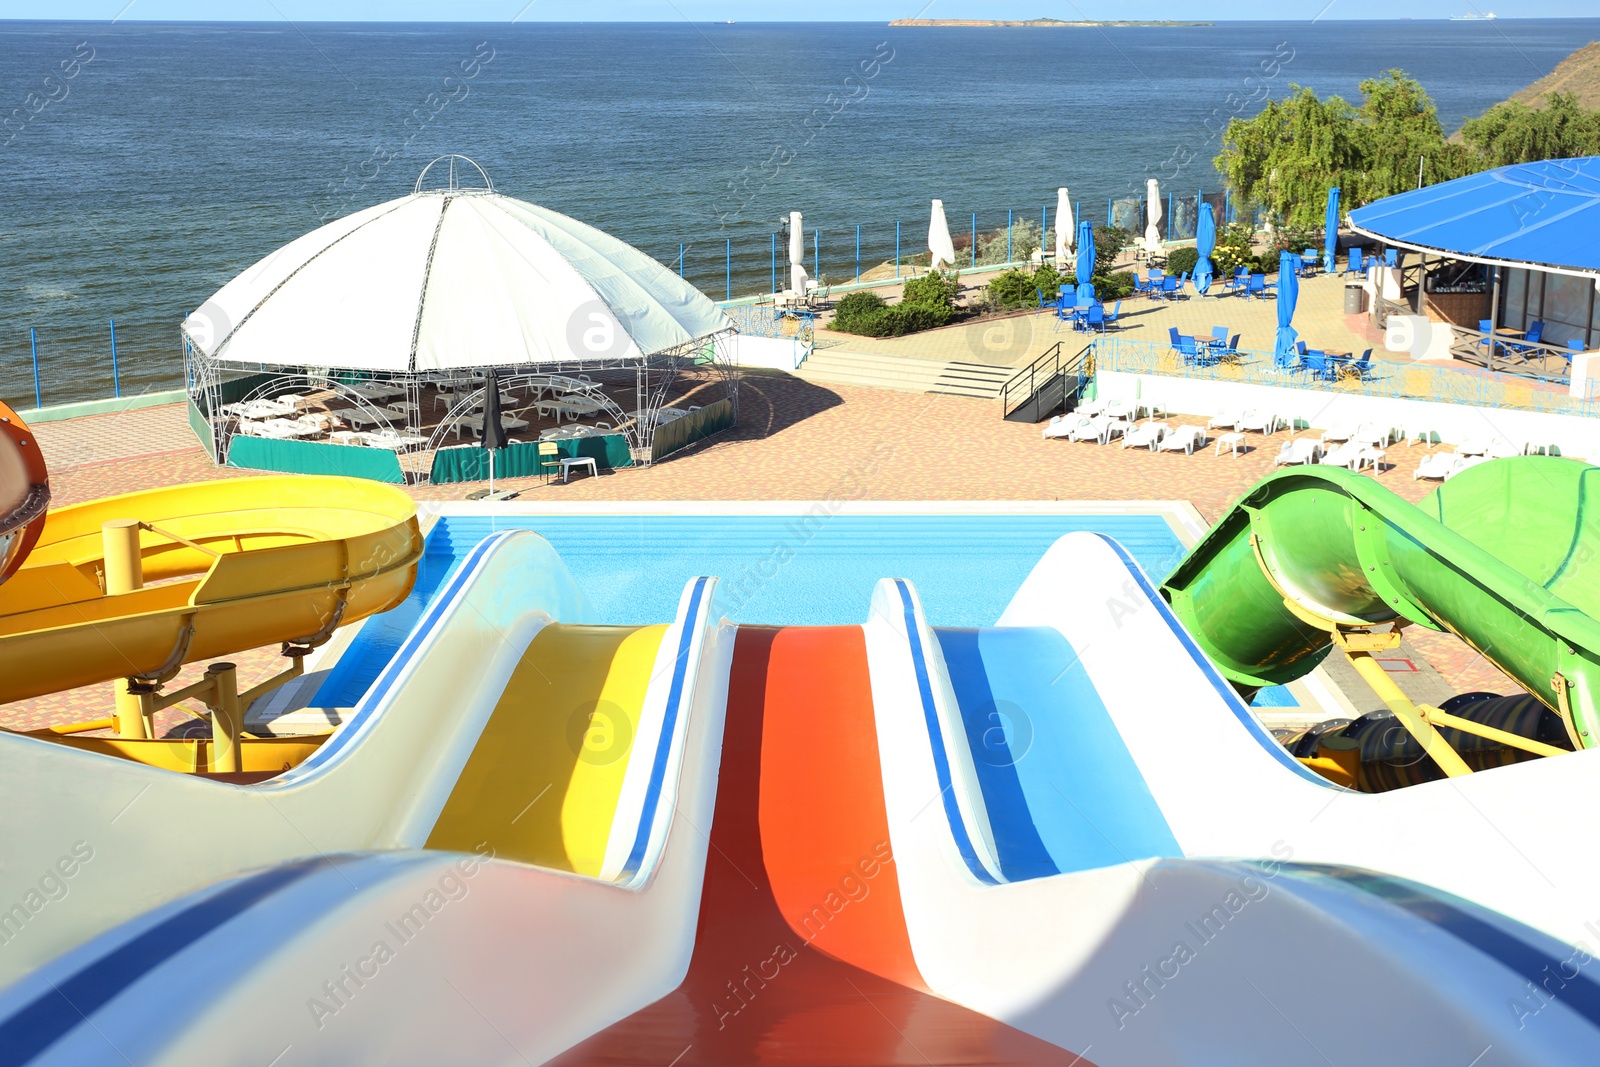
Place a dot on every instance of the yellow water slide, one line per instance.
(546, 780)
(135, 586)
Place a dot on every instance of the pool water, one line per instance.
(779, 570)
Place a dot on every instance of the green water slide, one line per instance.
(1505, 555)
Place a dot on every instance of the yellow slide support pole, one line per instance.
(227, 718)
(1358, 648)
(124, 574)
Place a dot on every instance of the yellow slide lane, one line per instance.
(543, 782)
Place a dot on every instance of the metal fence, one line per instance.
(1400, 381)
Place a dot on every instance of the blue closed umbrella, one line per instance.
(1330, 239)
(1288, 292)
(1085, 259)
(1205, 242)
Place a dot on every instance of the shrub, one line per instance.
(1019, 288)
(1118, 286)
(935, 288)
(1182, 260)
(912, 318)
(1109, 241)
(852, 312)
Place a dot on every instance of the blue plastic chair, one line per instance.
(1356, 264)
(1309, 258)
(1172, 333)
(1487, 343)
(1140, 285)
(1169, 287)
(1391, 257)
(1045, 301)
(1361, 366)
(1317, 363)
(1111, 316)
(1257, 286)
(1300, 348)
(1094, 320)
(1534, 335)
(1189, 350)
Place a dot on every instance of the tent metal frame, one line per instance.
(654, 375)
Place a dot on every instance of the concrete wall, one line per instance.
(1573, 435)
(775, 353)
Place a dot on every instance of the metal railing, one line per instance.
(1403, 381)
(1512, 355)
(1052, 365)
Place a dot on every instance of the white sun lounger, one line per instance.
(1184, 439)
(1298, 451)
(1147, 436)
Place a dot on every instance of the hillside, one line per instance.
(1578, 74)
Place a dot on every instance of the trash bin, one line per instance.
(1355, 298)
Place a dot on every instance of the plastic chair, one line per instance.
(1360, 367)
(1169, 287)
(1356, 264)
(1095, 319)
(1190, 350)
(1172, 333)
(1391, 257)
(1488, 342)
(1219, 336)
(1111, 316)
(1257, 286)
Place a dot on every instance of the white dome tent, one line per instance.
(440, 285)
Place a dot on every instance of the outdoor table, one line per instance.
(1230, 441)
(568, 462)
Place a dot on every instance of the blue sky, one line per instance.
(767, 10)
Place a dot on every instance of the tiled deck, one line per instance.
(796, 441)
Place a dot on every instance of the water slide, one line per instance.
(218, 568)
(501, 682)
(1499, 555)
(1084, 813)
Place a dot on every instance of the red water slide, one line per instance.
(801, 876)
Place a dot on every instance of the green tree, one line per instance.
(1287, 156)
(1513, 132)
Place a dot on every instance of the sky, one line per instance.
(768, 10)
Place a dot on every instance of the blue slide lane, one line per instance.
(1062, 791)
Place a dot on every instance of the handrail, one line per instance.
(1467, 344)
(1028, 381)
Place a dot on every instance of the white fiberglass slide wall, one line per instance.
(143, 836)
(1080, 920)
(321, 956)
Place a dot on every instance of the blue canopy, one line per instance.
(1085, 259)
(1330, 238)
(1544, 214)
(1288, 293)
(1205, 242)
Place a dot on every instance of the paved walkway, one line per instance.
(796, 441)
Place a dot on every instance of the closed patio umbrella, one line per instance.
(1330, 239)
(1085, 259)
(1063, 227)
(1152, 229)
(1288, 293)
(939, 244)
(797, 253)
(494, 431)
(1205, 242)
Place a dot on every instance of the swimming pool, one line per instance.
(794, 569)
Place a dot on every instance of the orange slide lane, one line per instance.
(800, 872)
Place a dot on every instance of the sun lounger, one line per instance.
(1346, 455)
(1147, 436)
(1090, 429)
(1258, 421)
(1063, 425)
(1298, 451)
(1223, 420)
(1184, 439)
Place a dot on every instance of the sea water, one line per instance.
(148, 163)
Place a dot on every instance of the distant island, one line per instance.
(1036, 22)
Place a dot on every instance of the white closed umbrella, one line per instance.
(1152, 230)
(797, 253)
(1064, 230)
(939, 243)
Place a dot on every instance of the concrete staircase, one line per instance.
(908, 374)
